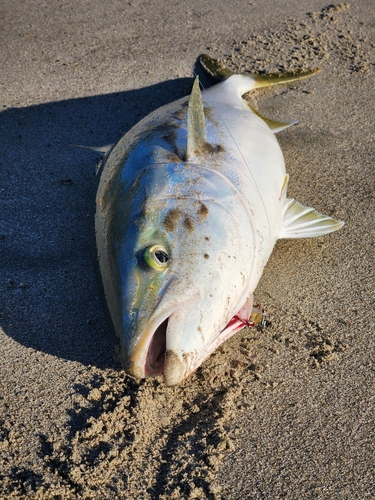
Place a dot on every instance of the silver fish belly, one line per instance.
(190, 204)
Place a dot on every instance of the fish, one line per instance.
(190, 204)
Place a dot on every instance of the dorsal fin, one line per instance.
(196, 129)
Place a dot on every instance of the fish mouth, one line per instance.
(152, 355)
(148, 357)
(152, 358)
(155, 359)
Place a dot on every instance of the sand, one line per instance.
(281, 412)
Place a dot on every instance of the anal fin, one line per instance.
(300, 221)
(274, 125)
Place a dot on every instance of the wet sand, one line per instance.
(281, 412)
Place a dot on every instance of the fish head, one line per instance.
(184, 264)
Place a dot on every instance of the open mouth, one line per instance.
(165, 349)
(155, 359)
(156, 354)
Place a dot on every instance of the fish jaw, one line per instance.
(181, 364)
(158, 353)
(151, 357)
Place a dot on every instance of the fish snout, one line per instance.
(157, 351)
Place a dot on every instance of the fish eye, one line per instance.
(156, 257)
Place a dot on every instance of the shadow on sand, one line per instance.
(49, 296)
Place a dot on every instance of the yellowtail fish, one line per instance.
(190, 204)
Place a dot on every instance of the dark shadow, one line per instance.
(48, 294)
(205, 79)
(22, 481)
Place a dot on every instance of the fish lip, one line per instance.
(176, 370)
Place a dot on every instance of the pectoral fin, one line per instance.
(305, 222)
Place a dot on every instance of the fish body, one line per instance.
(190, 204)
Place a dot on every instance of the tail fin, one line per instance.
(215, 68)
(219, 71)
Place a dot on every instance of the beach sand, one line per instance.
(281, 412)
